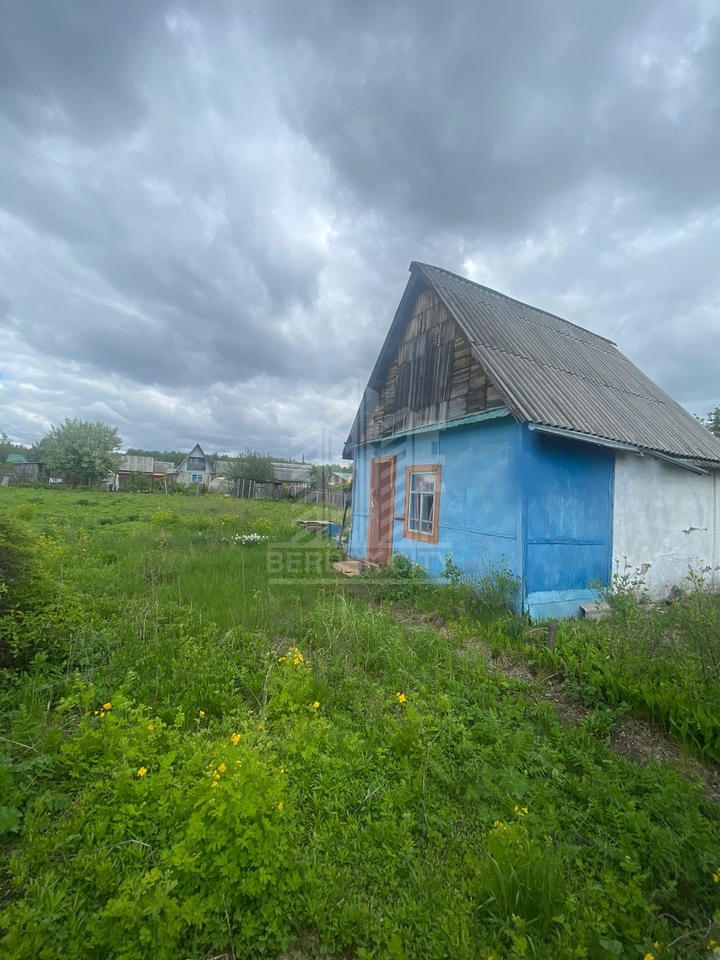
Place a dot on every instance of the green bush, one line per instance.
(171, 842)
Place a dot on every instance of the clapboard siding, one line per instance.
(433, 377)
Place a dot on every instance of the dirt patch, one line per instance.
(569, 709)
(635, 738)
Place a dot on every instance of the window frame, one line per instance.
(434, 535)
(197, 477)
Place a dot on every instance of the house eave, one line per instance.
(495, 414)
(617, 445)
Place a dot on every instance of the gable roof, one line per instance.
(552, 373)
(197, 451)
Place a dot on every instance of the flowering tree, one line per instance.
(82, 451)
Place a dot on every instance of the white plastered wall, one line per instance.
(665, 517)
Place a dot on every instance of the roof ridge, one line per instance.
(504, 296)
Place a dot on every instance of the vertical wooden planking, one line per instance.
(433, 376)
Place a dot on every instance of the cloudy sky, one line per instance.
(207, 211)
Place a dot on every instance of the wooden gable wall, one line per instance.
(433, 377)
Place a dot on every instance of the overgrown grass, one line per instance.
(225, 752)
(660, 660)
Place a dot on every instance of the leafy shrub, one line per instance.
(173, 842)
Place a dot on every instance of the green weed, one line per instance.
(361, 763)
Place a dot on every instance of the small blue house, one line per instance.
(506, 437)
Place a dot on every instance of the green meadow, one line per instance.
(213, 745)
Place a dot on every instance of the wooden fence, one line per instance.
(274, 490)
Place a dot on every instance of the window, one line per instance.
(422, 493)
(196, 478)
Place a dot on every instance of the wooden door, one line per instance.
(382, 507)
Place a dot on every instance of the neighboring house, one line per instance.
(198, 468)
(132, 464)
(16, 458)
(293, 477)
(340, 478)
(506, 437)
(25, 471)
(133, 467)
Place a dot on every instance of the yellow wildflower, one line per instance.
(401, 697)
(260, 727)
(316, 705)
(712, 944)
(222, 768)
(102, 713)
(107, 706)
(282, 659)
(649, 956)
(96, 712)
(142, 771)
(280, 806)
(282, 770)
(151, 726)
(235, 739)
(716, 876)
(202, 713)
(214, 783)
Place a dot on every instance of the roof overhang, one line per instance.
(617, 445)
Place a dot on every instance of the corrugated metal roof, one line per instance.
(292, 472)
(133, 464)
(554, 373)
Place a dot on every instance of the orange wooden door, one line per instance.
(382, 507)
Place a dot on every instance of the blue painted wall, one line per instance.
(567, 519)
(480, 522)
(512, 497)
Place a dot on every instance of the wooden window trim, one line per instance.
(413, 534)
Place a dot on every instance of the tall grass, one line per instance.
(229, 753)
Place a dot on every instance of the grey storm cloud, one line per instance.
(477, 116)
(207, 210)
